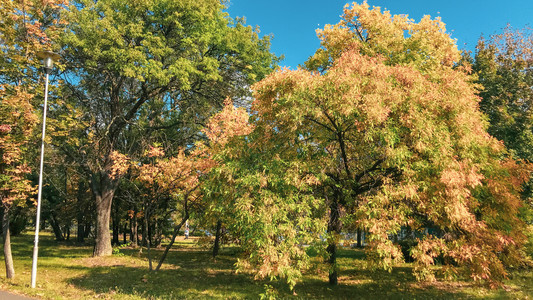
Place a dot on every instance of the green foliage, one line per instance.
(146, 72)
(504, 65)
(267, 208)
(270, 293)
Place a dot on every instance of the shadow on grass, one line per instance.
(190, 274)
(194, 274)
(22, 247)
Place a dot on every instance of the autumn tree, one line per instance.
(160, 179)
(266, 201)
(150, 68)
(389, 125)
(26, 28)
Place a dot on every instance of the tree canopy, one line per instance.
(150, 71)
(382, 132)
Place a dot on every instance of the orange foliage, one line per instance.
(376, 95)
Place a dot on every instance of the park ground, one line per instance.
(67, 271)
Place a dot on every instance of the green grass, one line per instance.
(67, 271)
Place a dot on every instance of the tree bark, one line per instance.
(56, 228)
(8, 258)
(359, 238)
(147, 240)
(67, 232)
(133, 228)
(87, 230)
(81, 232)
(216, 246)
(334, 226)
(124, 238)
(80, 236)
(104, 190)
(172, 240)
(103, 211)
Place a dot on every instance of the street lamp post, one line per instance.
(48, 63)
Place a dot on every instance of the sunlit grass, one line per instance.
(67, 271)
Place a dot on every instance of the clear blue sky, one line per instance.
(293, 22)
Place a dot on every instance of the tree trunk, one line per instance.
(150, 232)
(172, 240)
(81, 232)
(133, 228)
(8, 258)
(80, 235)
(216, 246)
(87, 230)
(334, 226)
(56, 228)
(116, 222)
(359, 238)
(145, 233)
(103, 189)
(103, 211)
(115, 240)
(67, 232)
(124, 238)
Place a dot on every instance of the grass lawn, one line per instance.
(67, 271)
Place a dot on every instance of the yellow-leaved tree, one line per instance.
(380, 132)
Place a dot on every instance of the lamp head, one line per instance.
(48, 58)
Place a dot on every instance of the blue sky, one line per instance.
(293, 22)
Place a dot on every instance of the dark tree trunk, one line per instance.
(115, 240)
(139, 240)
(216, 246)
(67, 232)
(56, 228)
(8, 258)
(116, 224)
(124, 238)
(334, 227)
(80, 235)
(177, 229)
(149, 231)
(145, 234)
(133, 227)
(87, 230)
(359, 238)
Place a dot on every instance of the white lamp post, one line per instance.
(48, 63)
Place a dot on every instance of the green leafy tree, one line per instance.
(504, 64)
(146, 68)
